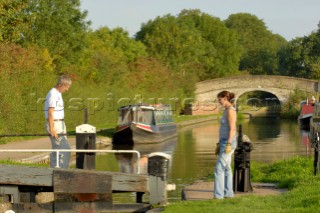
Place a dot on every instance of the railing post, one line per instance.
(57, 159)
(316, 152)
(158, 168)
(85, 139)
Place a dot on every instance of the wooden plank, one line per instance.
(101, 207)
(41, 176)
(25, 175)
(123, 181)
(81, 181)
(71, 207)
(33, 207)
(129, 182)
(76, 207)
(81, 185)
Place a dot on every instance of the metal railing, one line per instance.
(57, 151)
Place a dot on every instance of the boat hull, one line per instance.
(139, 134)
(304, 123)
(306, 113)
(123, 136)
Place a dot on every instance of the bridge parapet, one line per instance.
(280, 86)
(257, 82)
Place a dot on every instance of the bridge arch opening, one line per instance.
(258, 103)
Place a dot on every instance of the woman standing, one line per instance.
(223, 187)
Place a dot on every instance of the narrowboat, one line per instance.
(306, 112)
(144, 124)
(315, 125)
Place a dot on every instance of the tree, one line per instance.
(60, 27)
(151, 77)
(167, 40)
(259, 46)
(193, 43)
(221, 57)
(108, 54)
(301, 58)
(14, 21)
(312, 55)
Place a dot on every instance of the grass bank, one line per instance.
(295, 174)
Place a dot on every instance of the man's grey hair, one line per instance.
(64, 80)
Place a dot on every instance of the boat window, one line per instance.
(163, 116)
(124, 116)
(146, 117)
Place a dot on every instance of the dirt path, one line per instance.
(202, 190)
(39, 143)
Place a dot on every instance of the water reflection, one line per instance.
(304, 138)
(276, 139)
(128, 161)
(262, 129)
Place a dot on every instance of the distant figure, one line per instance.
(54, 113)
(223, 187)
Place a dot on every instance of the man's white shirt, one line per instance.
(54, 99)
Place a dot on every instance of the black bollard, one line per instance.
(241, 178)
(315, 144)
(316, 161)
(85, 139)
(158, 168)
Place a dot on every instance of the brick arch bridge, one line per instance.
(280, 86)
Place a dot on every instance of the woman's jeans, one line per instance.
(59, 143)
(223, 186)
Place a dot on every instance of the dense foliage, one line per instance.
(193, 42)
(41, 39)
(25, 72)
(301, 57)
(14, 20)
(259, 46)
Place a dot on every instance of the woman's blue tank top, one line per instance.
(224, 124)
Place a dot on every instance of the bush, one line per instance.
(25, 74)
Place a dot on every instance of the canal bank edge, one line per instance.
(197, 121)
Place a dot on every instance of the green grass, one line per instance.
(10, 162)
(295, 174)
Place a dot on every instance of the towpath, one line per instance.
(38, 143)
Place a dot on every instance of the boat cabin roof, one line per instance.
(148, 107)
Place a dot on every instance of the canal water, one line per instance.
(192, 154)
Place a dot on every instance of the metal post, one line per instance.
(158, 168)
(57, 159)
(85, 139)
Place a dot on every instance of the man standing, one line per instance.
(55, 126)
